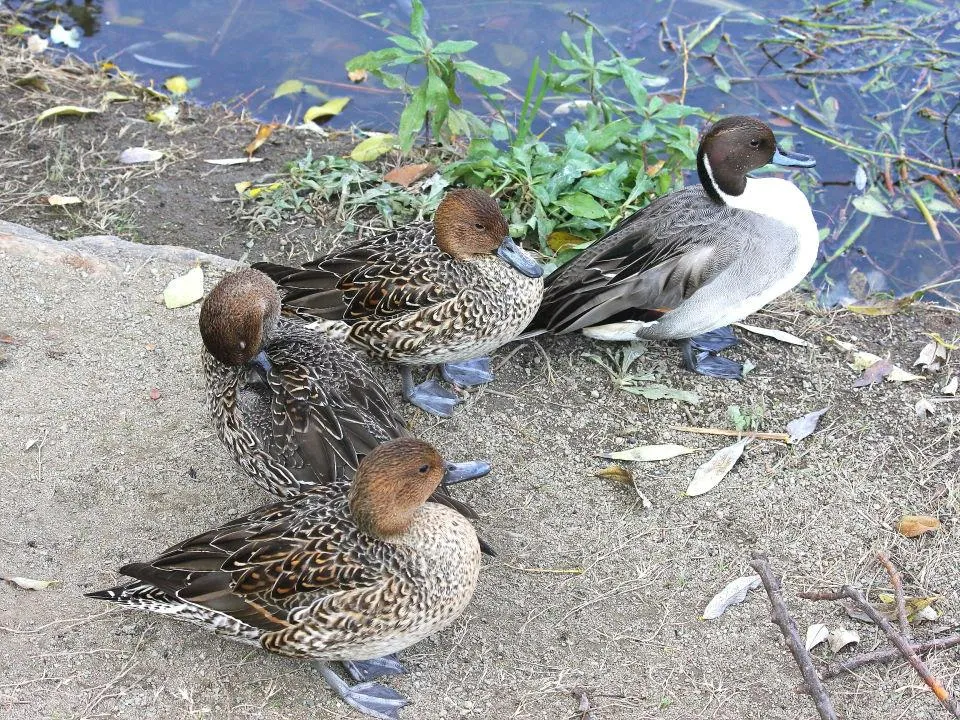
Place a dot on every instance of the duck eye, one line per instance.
(755, 143)
(478, 226)
(424, 468)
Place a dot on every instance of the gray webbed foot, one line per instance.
(711, 365)
(429, 396)
(370, 698)
(365, 670)
(468, 373)
(715, 340)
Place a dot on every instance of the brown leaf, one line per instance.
(874, 374)
(560, 240)
(616, 473)
(357, 76)
(154, 394)
(263, 132)
(916, 525)
(9, 339)
(407, 175)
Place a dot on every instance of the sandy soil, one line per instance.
(592, 592)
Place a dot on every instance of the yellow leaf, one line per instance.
(177, 84)
(111, 96)
(253, 192)
(560, 240)
(59, 200)
(184, 290)
(65, 110)
(373, 147)
(357, 76)
(288, 87)
(916, 525)
(655, 168)
(107, 66)
(617, 473)
(165, 115)
(241, 186)
(263, 132)
(331, 107)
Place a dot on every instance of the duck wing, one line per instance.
(653, 260)
(261, 568)
(377, 279)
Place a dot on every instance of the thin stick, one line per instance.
(221, 33)
(885, 656)
(897, 583)
(943, 695)
(547, 571)
(782, 619)
(731, 433)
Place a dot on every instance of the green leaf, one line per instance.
(663, 392)
(452, 47)
(417, 27)
(331, 107)
(480, 74)
(722, 82)
(407, 43)
(438, 103)
(288, 87)
(412, 117)
(871, 205)
(373, 147)
(375, 60)
(607, 135)
(17, 30)
(582, 205)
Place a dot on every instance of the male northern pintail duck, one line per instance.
(447, 292)
(702, 257)
(344, 572)
(296, 408)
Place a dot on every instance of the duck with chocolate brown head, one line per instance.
(445, 293)
(354, 575)
(694, 261)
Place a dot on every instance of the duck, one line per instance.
(348, 572)
(694, 261)
(294, 407)
(447, 292)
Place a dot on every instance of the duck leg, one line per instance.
(468, 373)
(429, 396)
(365, 670)
(715, 340)
(370, 698)
(706, 363)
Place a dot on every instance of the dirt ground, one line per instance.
(593, 592)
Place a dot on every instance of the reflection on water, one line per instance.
(738, 60)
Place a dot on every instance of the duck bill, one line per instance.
(511, 254)
(786, 158)
(461, 472)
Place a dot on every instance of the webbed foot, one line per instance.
(369, 698)
(365, 670)
(711, 365)
(715, 340)
(468, 373)
(430, 396)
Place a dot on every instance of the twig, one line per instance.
(885, 656)
(781, 617)
(732, 433)
(897, 583)
(547, 571)
(586, 21)
(221, 33)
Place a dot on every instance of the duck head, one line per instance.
(468, 224)
(395, 480)
(733, 147)
(239, 317)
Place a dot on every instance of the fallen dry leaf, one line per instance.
(407, 175)
(154, 393)
(951, 387)
(135, 155)
(924, 408)
(177, 84)
(735, 592)
(780, 335)
(59, 110)
(60, 200)
(816, 634)
(357, 76)
(25, 583)
(373, 147)
(841, 637)
(874, 374)
(916, 525)
(617, 473)
(864, 360)
(37, 44)
(716, 468)
(8, 339)
(233, 161)
(333, 106)
(184, 290)
(263, 132)
(649, 453)
(59, 35)
(802, 427)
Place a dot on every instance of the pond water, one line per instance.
(856, 84)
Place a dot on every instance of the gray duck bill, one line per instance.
(461, 472)
(792, 159)
(511, 254)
